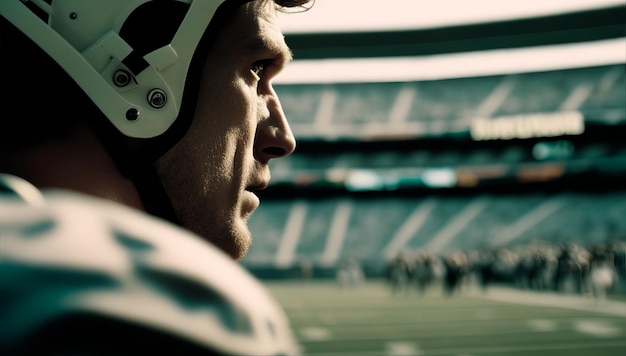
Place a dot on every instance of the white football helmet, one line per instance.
(138, 88)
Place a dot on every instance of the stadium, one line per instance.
(495, 133)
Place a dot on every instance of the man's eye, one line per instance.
(258, 68)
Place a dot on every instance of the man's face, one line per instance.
(238, 126)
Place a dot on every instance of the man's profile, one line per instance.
(137, 134)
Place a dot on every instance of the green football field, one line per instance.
(369, 320)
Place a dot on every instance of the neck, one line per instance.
(78, 163)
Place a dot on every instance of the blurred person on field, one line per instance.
(457, 270)
(426, 270)
(603, 275)
(618, 248)
(572, 269)
(399, 272)
(349, 273)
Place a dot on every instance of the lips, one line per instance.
(250, 199)
(249, 202)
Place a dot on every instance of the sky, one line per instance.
(367, 15)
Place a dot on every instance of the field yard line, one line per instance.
(486, 350)
(402, 348)
(597, 328)
(577, 302)
(504, 349)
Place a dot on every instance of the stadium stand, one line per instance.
(390, 166)
(374, 229)
(437, 107)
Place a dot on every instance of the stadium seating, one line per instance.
(438, 106)
(327, 229)
(367, 228)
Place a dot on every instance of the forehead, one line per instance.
(253, 28)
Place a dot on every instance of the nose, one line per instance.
(274, 138)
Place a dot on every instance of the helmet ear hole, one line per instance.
(149, 27)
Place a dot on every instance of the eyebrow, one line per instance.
(263, 43)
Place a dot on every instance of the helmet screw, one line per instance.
(73, 16)
(121, 78)
(132, 114)
(157, 98)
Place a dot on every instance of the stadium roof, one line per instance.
(406, 40)
(376, 15)
(459, 65)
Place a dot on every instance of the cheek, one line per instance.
(223, 130)
(225, 117)
(243, 113)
